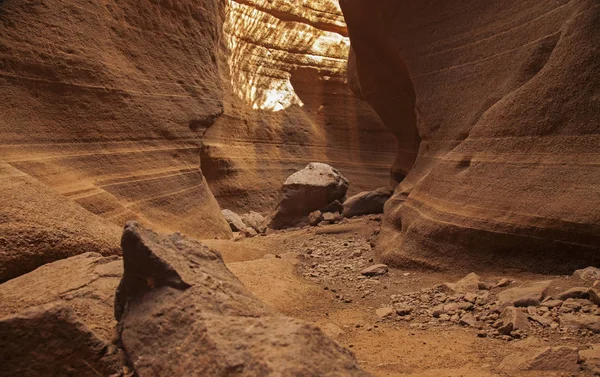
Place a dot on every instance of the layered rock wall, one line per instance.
(505, 99)
(103, 102)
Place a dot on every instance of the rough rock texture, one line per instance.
(305, 191)
(530, 295)
(234, 220)
(366, 202)
(38, 226)
(503, 97)
(108, 104)
(287, 103)
(50, 341)
(85, 283)
(253, 220)
(182, 312)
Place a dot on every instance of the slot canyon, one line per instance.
(311, 188)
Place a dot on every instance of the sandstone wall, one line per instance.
(102, 101)
(506, 99)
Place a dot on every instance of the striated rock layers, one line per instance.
(501, 101)
(182, 312)
(38, 226)
(105, 103)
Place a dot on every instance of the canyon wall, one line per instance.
(501, 101)
(102, 102)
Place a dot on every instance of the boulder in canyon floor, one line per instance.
(367, 202)
(305, 191)
(182, 312)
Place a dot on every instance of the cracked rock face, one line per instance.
(182, 312)
(496, 113)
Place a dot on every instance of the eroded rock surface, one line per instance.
(85, 283)
(496, 113)
(182, 312)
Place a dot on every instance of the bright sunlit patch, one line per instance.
(264, 50)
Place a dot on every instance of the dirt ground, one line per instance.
(314, 274)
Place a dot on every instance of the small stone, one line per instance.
(437, 312)
(594, 292)
(581, 322)
(546, 322)
(552, 303)
(375, 270)
(577, 292)
(385, 312)
(403, 310)
(329, 217)
(451, 308)
(465, 306)
(471, 297)
(530, 295)
(314, 218)
(512, 319)
(469, 283)
(504, 282)
(467, 320)
(249, 232)
(356, 254)
(588, 274)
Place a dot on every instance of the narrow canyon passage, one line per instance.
(249, 188)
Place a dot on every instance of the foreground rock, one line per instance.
(85, 283)
(305, 191)
(367, 202)
(182, 312)
(50, 341)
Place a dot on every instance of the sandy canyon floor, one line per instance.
(315, 274)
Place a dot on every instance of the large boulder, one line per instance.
(305, 191)
(51, 341)
(495, 109)
(182, 312)
(367, 202)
